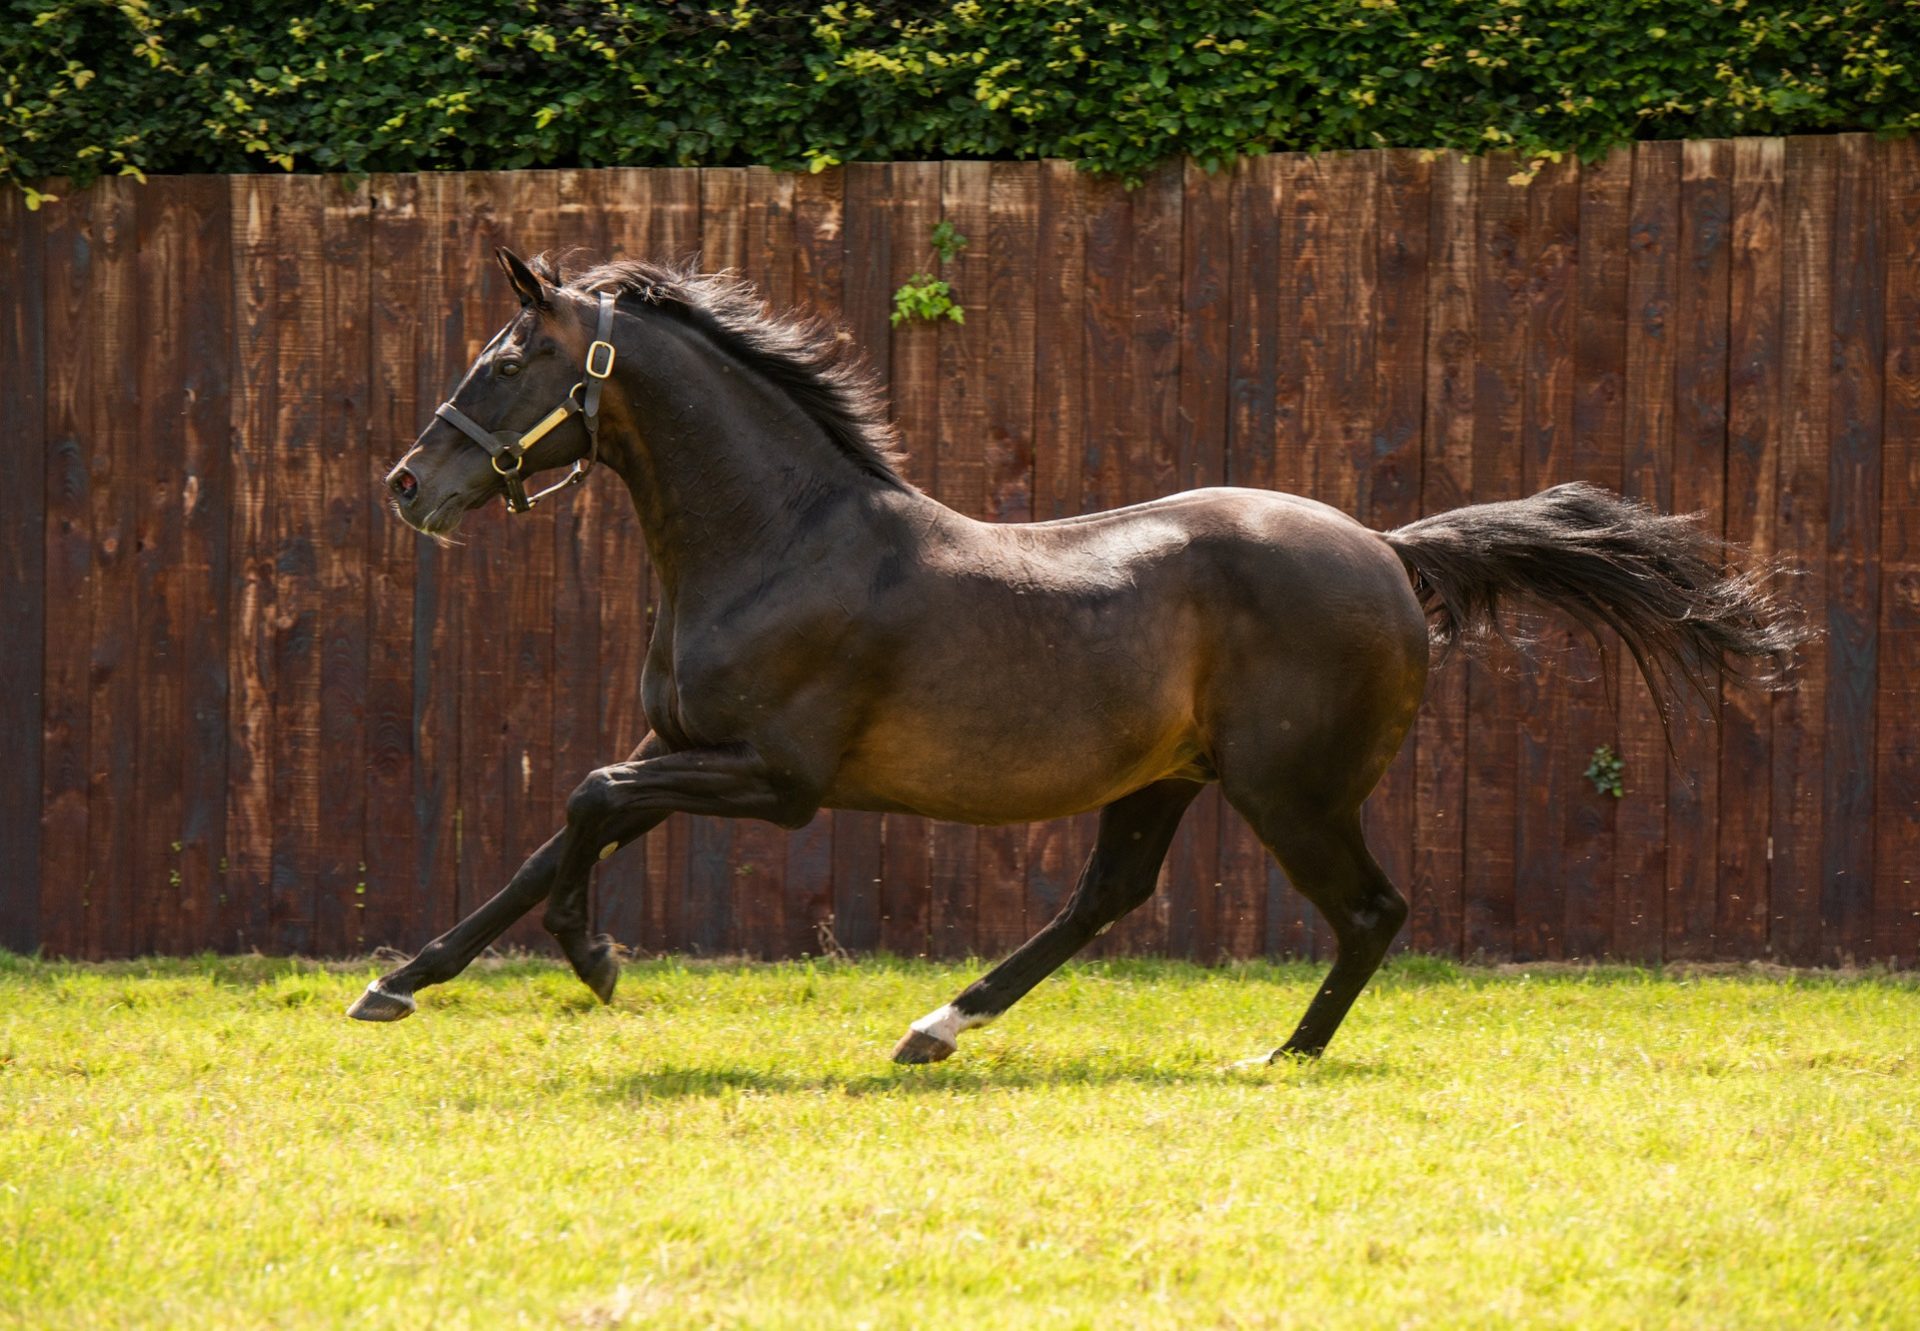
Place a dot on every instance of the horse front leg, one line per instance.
(612, 808)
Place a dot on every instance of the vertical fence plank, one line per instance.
(1498, 403)
(23, 567)
(1446, 481)
(400, 303)
(1008, 353)
(165, 633)
(1056, 849)
(1541, 757)
(1253, 337)
(1598, 444)
(576, 745)
(819, 263)
(955, 859)
(913, 358)
(1896, 889)
(1389, 479)
(1853, 549)
(68, 280)
(1206, 239)
(1699, 484)
(1150, 443)
(1653, 261)
(1753, 442)
(638, 895)
(114, 329)
(341, 886)
(1800, 526)
(864, 297)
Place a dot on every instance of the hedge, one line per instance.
(387, 85)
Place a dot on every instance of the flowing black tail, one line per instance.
(1686, 613)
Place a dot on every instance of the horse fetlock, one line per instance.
(936, 1036)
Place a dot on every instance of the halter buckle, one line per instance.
(600, 359)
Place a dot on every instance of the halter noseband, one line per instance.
(509, 450)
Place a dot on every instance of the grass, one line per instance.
(209, 1144)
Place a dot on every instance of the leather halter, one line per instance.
(509, 450)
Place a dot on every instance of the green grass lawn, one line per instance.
(210, 1143)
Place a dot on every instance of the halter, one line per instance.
(509, 450)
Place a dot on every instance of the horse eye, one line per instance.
(508, 369)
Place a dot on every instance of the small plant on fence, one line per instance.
(1605, 772)
(925, 295)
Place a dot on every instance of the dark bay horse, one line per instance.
(830, 637)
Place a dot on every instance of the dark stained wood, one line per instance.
(166, 635)
(1253, 338)
(206, 338)
(1653, 266)
(955, 857)
(1699, 485)
(914, 377)
(1389, 475)
(67, 285)
(1006, 317)
(1853, 551)
(1753, 448)
(638, 895)
(1598, 445)
(341, 877)
(1200, 459)
(864, 300)
(23, 566)
(1446, 481)
(1493, 694)
(1800, 528)
(394, 909)
(1056, 850)
(1896, 887)
(1543, 763)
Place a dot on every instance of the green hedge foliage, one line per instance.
(399, 85)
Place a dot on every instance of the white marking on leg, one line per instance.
(373, 987)
(945, 1024)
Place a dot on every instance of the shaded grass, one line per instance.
(209, 1143)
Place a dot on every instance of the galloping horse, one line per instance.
(830, 637)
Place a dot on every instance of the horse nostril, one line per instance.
(402, 483)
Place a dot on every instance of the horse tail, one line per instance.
(1674, 594)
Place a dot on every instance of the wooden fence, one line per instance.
(241, 707)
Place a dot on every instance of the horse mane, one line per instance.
(811, 360)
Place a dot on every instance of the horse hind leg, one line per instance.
(1326, 856)
(1135, 832)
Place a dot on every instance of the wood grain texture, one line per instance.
(1543, 761)
(1896, 883)
(1640, 823)
(1589, 820)
(1753, 449)
(1800, 527)
(23, 565)
(1446, 481)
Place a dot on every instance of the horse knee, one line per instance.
(592, 800)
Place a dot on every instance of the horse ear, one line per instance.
(526, 283)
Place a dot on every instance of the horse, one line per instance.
(830, 637)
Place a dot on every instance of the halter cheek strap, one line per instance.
(509, 450)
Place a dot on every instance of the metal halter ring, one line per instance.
(518, 461)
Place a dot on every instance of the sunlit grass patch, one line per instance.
(210, 1143)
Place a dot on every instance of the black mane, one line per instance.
(806, 357)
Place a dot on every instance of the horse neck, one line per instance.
(722, 466)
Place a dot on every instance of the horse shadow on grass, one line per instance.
(683, 1081)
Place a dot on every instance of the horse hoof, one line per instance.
(605, 973)
(376, 1004)
(919, 1047)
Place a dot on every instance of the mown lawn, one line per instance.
(209, 1143)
